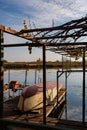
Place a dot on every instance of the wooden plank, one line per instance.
(54, 103)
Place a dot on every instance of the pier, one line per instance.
(10, 106)
(54, 39)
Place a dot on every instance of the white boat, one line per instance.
(31, 97)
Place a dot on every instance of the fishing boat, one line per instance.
(31, 97)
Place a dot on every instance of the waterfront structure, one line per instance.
(60, 39)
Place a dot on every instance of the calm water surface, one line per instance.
(74, 88)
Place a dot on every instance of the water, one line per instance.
(74, 88)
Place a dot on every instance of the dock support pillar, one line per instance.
(83, 94)
(57, 85)
(62, 62)
(44, 84)
(66, 94)
(1, 73)
(25, 78)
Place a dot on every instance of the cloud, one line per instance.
(43, 11)
(60, 10)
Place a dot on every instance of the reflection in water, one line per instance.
(74, 88)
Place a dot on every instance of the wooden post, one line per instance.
(62, 62)
(44, 84)
(83, 101)
(1, 73)
(25, 78)
(35, 76)
(66, 94)
(9, 81)
(57, 85)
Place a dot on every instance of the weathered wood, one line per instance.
(10, 108)
(15, 33)
(37, 117)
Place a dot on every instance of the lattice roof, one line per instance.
(64, 39)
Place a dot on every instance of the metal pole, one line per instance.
(44, 84)
(1, 73)
(83, 102)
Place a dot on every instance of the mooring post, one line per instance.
(44, 84)
(83, 94)
(1, 73)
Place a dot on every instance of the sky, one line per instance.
(40, 13)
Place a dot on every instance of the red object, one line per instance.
(14, 85)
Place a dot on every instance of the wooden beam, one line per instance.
(26, 36)
(7, 30)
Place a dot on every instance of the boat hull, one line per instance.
(35, 101)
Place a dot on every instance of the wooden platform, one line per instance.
(10, 108)
(11, 113)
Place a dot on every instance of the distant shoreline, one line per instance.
(39, 65)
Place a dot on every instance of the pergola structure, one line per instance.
(62, 39)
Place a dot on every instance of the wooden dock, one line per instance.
(11, 113)
(10, 108)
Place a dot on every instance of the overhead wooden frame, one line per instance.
(64, 37)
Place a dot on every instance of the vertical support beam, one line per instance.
(62, 62)
(8, 76)
(9, 81)
(25, 77)
(44, 84)
(35, 76)
(70, 63)
(57, 85)
(1, 73)
(83, 102)
(66, 93)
